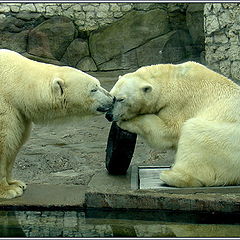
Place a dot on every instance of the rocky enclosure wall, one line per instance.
(103, 36)
(222, 38)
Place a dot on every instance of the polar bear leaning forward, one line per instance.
(37, 92)
(189, 108)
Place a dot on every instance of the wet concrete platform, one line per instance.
(119, 192)
(47, 196)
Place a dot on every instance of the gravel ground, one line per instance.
(73, 153)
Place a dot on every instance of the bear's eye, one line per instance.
(94, 90)
(147, 89)
(120, 100)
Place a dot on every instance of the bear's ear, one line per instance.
(119, 77)
(58, 86)
(147, 88)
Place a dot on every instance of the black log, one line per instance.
(120, 149)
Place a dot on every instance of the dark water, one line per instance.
(103, 223)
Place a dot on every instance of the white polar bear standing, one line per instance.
(189, 108)
(37, 92)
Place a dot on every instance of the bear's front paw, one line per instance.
(11, 191)
(122, 125)
(127, 126)
(18, 183)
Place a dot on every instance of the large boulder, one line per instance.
(86, 64)
(51, 38)
(41, 59)
(131, 31)
(172, 47)
(14, 41)
(125, 61)
(11, 24)
(77, 50)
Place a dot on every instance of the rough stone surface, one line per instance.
(77, 50)
(194, 16)
(51, 38)
(222, 25)
(14, 41)
(115, 192)
(11, 24)
(42, 59)
(169, 48)
(86, 64)
(126, 60)
(62, 33)
(130, 32)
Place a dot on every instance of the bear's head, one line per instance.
(133, 95)
(80, 94)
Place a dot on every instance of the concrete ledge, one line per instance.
(114, 192)
(38, 196)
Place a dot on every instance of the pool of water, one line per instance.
(103, 223)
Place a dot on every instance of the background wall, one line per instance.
(104, 36)
(222, 38)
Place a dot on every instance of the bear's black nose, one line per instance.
(109, 116)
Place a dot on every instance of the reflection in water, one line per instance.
(117, 224)
(9, 225)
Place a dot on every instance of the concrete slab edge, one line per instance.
(162, 201)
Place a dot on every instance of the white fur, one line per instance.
(37, 92)
(191, 109)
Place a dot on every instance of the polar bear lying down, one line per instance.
(37, 92)
(189, 108)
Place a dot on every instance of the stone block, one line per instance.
(126, 60)
(51, 38)
(14, 41)
(133, 30)
(28, 7)
(86, 64)
(4, 8)
(114, 7)
(169, 48)
(77, 50)
(211, 24)
(114, 192)
(235, 70)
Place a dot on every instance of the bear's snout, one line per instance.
(108, 103)
(104, 108)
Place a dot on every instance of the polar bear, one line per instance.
(189, 108)
(37, 92)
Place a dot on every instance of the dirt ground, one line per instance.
(73, 153)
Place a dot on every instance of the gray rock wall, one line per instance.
(222, 38)
(103, 36)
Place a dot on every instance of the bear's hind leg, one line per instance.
(208, 155)
(179, 179)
